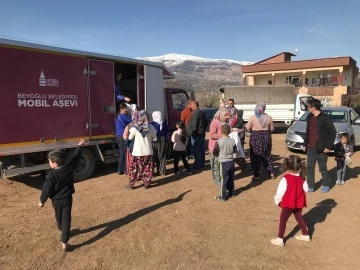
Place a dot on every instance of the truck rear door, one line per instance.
(154, 89)
(101, 83)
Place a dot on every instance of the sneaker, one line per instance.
(190, 157)
(310, 190)
(325, 189)
(305, 238)
(277, 242)
(188, 172)
(177, 173)
(219, 198)
(338, 182)
(342, 182)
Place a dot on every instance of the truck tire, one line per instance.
(86, 166)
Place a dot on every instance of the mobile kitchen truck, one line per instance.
(51, 97)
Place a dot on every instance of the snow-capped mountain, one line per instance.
(193, 72)
(173, 59)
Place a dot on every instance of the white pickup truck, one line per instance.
(282, 102)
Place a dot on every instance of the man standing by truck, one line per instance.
(232, 109)
(196, 131)
(118, 96)
(319, 140)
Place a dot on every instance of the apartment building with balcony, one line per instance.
(330, 79)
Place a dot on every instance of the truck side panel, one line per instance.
(254, 94)
(43, 96)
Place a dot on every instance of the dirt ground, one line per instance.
(177, 224)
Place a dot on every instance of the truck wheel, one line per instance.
(86, 165)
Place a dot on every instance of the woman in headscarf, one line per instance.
(260, 125)
(130, 144)
(143, 135)
(163, 136)
(221, 117)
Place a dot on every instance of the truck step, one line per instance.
(111, 159)
(17, 171)
(110, 152)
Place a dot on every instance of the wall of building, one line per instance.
(262, 79)
(330, 96)
(348, 77)
(277, 59)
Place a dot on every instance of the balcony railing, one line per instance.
(318, 82)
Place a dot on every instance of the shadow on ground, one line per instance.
(116, 224)
(316, 215)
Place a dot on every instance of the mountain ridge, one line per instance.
(176, 59)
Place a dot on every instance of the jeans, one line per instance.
(341, 169)
(122, 154)
(312, 157)
(198, 150)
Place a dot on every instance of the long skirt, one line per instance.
(159, 147)
(215, 169)
(128, 161)
(260, 151)
(141, 169)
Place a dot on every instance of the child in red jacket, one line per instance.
(291, 197)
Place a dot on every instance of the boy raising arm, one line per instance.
(59, 187)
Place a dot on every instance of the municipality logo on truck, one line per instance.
(41, 99)
(47, 82)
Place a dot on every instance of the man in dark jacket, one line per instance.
(319, 140)
(196, 131)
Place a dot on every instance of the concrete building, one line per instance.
(329, 79)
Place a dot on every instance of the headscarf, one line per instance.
(135, 113)
(142, 125)
(260, 113)
(221, 114)
(157, 117)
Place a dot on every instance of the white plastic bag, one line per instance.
(348, 161)
(235, 136)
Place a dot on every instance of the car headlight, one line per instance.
(290, 132)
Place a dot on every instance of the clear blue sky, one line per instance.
(248, 30)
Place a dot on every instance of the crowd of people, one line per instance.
(143, 149)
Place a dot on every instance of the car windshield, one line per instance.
(337, 116)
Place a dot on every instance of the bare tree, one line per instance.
(207, 90)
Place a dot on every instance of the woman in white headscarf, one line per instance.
(163, 136)
(143, 135)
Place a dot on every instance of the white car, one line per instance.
(345, 119)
